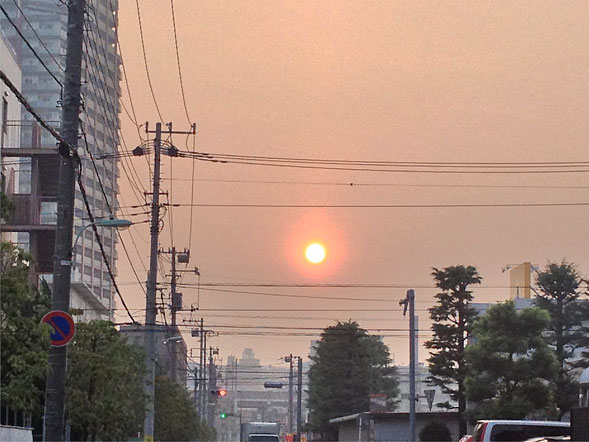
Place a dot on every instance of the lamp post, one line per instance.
(106, 222)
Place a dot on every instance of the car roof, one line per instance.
(525, 422)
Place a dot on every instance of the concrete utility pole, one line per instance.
(53, 423)
(212, 385)
(174, 310)
(150, 307)
(409, 301)
(290, 395)
(181, 257)
(201, 376)
(150, 302)
(299, 399)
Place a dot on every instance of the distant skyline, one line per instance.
(379, 81)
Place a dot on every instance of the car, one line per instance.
(518, 430)
(466, 438)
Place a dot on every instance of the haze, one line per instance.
(349, 80)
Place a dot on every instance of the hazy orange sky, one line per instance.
(373, 81)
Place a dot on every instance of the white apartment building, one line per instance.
(44, 25)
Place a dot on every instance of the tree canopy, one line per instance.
(509, 363)
(348, 366)
(176, 418)
(560, 296)
(452, 319)
(24, 339)
(105, 384)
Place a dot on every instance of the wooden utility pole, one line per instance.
(53, 422)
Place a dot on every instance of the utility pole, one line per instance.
(212, 385)
(195, 398)
(174, 310)
(53, 424)
(150, 308)
(150, 302)
(300, 400)
(180, 257)
(409, 301)
(205, 380)
(290, 396)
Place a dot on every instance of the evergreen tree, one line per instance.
(452, 319)
(509, 363)
(348, 366)
(567, 334)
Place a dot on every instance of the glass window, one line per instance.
(49, 212)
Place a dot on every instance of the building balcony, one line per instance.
(31, 213)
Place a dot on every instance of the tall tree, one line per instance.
(509, 363)
(348, 366)
(104, 385)
(567, 333)
(24, 340)
(175, 415)
(452, 319)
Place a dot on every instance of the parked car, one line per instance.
(518, 430)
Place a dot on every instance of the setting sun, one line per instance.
(315, 253)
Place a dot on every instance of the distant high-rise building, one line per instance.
(43, 23)
(520, 281)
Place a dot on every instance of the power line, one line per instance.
(104, 99)
(384, 206)
(394, 166)
(283, 295)
(99, 241)
(109, 125)
(145, 61)
(67, 150)
(32, 28)
(24, 39)
(364, 184)
(178, 61)
(63, 145)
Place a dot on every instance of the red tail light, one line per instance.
(483, 430)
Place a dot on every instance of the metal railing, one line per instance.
(21, 134)
(32, 210)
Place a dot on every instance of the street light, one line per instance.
(105, 222)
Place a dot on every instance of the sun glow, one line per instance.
(315, 253)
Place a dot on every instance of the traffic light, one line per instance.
(222, 415)
(221, 392)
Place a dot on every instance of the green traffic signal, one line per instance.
(222, 415)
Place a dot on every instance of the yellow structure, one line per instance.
(520, 281)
